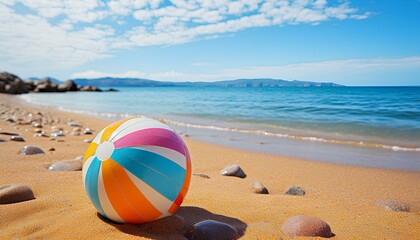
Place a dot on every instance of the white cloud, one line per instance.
(339, 71)
(65, 33)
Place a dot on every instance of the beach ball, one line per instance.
(136, 170)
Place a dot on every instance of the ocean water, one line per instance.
(381, 118)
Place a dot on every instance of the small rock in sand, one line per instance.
(306, 226)
(37, 130)
(2, 140)
(40, 135)
(394, 205)
(295, 191)
(37, 125)
(87, 132)
(17, 139)
(74, 124)
(201, 175)
(51, 149)
(233, 170)
(77, 129)
(212, 230)
(9, 133)
(87, 141)
(31, 150)
(69, 165)
(75, 133)
(60, 140)
(257, 187)
(15, 193)
(57, 134)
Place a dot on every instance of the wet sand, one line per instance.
(346, 197)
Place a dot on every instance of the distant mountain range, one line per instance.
(261, 82)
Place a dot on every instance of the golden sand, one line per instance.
(344, 196)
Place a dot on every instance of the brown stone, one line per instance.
(15, 193)
(257, 187)
(69, 165)
(306, 226)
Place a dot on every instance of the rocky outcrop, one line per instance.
(12, 84)
(45, 85)
(67, 86)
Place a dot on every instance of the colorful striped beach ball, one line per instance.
(137, 170)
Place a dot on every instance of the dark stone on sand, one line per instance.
(2, 140)
(201, 175)
(74, 124)
(295, 191)
(15, 193)
(51, 149)
(394, 205)
(69, 165)
(9, 133)
(306, 226)
(17, 139)
(41, 134)
(233, 170)
(31, 150)
(212, 230)
(57, 134)
(87, 132)
(37, 125)
(257, 187)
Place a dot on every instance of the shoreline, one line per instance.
(246, 128)
(282, 144)
(344, 196)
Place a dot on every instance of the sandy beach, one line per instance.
(346, 197)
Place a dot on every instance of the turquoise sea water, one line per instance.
(370, 126)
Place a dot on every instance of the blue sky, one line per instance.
(354, 42)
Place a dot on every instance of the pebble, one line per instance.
(212, 230)
(40, 135)
(257, 187)
(37, 125)
(74, 124)
(2, 140)
(31, 150)
(87, 132)
(201, 175)
(60, 140)
(233, 170)
(87, 141)
(394, 205)
(68, 165)
(51, 149)
(306, 226)
(9, 133)
(17, 139)
(75, 134)
(295, 191)
(57, 134)
(37, 130)
(15, 193)
(77, 129)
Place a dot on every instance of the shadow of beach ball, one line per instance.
(136, 170)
